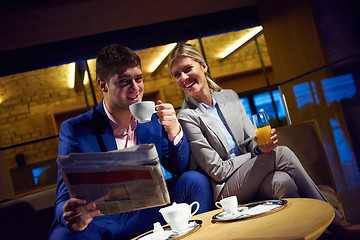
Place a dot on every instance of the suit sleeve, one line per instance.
(175, 158)
(68, 143)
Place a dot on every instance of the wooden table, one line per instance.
(301, 218)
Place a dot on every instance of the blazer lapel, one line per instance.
(102, 129)
(230, 116)
(209, 121)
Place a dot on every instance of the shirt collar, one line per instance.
(208, 107)
(119, 132)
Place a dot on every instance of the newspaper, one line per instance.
(117, 181)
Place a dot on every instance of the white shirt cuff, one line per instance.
(177, 138)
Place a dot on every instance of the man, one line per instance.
(110, 126)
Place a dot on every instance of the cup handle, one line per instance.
(218, 205)
(197, 208)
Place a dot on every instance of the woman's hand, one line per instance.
(167, 117)
(78, 214)
(270, 146)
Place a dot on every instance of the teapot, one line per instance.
(178, 215)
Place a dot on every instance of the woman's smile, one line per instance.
(188, 86)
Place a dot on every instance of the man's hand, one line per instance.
(78, 214)
(167, 117)
(270, 146)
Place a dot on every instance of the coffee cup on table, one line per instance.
(143, 111)
(229, 204)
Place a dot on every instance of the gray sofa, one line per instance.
(305, 141)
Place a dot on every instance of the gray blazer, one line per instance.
(208, 144)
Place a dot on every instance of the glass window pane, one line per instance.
(344, 149)
(263, 103)
(37, 172)
(315, 95)
(245, 102)
(338, 88)
(303, 94)
(279, 103)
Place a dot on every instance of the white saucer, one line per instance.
(168, 233)
(229, 216)
(251, 209)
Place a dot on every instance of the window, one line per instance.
(305, 94)
(246, 103)
(335, 89)
(37, 171)
(338, 88)
(262, 101)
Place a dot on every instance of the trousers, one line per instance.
(274, 175)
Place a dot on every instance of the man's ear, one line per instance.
(102, 84)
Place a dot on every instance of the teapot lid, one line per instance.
(174, 206)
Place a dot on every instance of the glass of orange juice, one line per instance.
(263, 129)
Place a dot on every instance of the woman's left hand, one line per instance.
(167, 117)
(270, 146)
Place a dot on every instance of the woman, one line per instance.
(223, 142)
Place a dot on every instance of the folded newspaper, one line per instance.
(117, 181)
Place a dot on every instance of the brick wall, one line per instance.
(26, 106)
(246, 59)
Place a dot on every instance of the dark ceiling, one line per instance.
(18, 55)
(55, 53)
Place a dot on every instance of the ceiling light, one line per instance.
(249, 35)
(167, 49)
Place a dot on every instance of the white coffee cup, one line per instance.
(143, 111)
(229, 204)
(178, 215)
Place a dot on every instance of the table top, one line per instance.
(301, 218)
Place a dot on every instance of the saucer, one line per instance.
(251, 210)
(231, 216)
(168, 233)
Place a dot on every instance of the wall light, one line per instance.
(71, 74)
(86, 77)
(157, 62)
(249, 35)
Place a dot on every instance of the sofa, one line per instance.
(28, 217)
(305, 141)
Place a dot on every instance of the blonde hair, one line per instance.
(188, 50)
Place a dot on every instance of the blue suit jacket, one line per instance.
(86, 132)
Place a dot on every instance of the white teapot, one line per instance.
(178, 215)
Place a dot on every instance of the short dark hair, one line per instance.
(112, 57)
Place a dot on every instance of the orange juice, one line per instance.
(263, 135)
